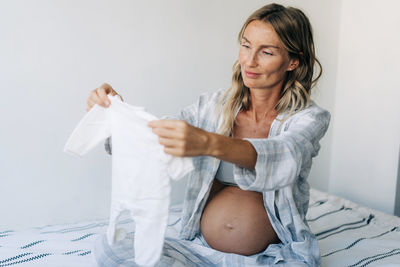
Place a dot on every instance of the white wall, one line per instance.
(159, 54)
(325, 19)
(397, 199)
(366, 122)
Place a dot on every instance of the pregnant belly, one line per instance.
(235, 221)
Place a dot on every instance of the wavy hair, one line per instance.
(295, 32)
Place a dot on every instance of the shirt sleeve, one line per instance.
(91, 130)
(283, 158)
(188, 114)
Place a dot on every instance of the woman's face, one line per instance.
(262, 57)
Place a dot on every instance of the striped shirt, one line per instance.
(283, 164)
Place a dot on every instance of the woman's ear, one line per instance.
(294, 63)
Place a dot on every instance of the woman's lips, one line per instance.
(251, 74)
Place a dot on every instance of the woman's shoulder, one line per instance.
(207, 107)
(211, 97)
(312, 117)
(318, 111)
(312, 110)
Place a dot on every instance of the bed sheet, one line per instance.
(353, 235)
(348, 235)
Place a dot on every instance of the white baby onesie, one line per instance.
(140, 172)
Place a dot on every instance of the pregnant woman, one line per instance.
(252, 145)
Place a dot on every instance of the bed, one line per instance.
(348, 235)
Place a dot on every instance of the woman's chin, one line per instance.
(253, 82)
(254, 85)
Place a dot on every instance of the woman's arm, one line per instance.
(261, 164)
(184, 140)
(238, 151)
(282, 159)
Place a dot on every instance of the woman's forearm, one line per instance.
(234, 150)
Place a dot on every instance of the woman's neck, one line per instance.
(263, 102)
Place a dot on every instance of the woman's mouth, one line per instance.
(251, 74)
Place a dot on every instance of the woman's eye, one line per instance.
(246, 46)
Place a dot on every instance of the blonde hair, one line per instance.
(295, 32)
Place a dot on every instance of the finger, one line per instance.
(97, 99)
(172, 124)
(168, 133)
(90, 104)
(106, 87)
(94, 97)
(168, 142)
(109, 90)
(103, 96)
(173, 151)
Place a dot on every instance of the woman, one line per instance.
(249, 194)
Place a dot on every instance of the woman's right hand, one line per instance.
(99, 96)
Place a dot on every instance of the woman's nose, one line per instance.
(252, 59)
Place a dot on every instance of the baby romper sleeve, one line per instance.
(281, 158)
(93, 128)
(187, 114)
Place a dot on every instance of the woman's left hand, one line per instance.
(179, 138)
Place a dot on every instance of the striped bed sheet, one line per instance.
(348, 235)
(352, 235)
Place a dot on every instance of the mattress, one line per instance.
(348, 235)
